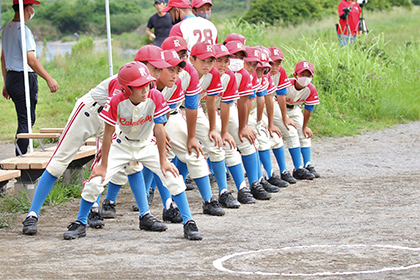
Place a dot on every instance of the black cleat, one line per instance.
(29, 225)
(172, 215)
(189, 183)
(108, 209)
(259, 192)
(75, 230)
(228, 176)
(213, 208)
(95, 220)
(191, 231)
(286, 176)
(269, 187)
(150, 197)
(212, 178)
(276, 181)
(149, 222)
(227, 200)
(303, 174)
(311, 169)
(245, 196)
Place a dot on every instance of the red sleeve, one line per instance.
(255, 83)
(178, 95)
(194, 86)
(283, 80)
(271, 85)
(215, 86)
(161, 107)
(110, 111)
(245, 86)
(231, 92)
(176, 30)
(113, 87)
(313, 96)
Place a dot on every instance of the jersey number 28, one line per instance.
(204, 35)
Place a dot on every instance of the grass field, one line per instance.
(372, 84)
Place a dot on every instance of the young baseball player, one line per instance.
(140, 113)
(202, 8)
(244, 135)
(182, 127)
(294, 123)
(193, 29)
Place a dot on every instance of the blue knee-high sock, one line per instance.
(163, 191)
(182, 168)
(238, 175)
(84, 210)
(259, 166)
(149, 179)
(281, 158)
(220, 173)
(306, 153)
(209, 162)
(112, 192)
(182, 203)
(251, 163)
(136, 181)
(265, 158)
(296, 157)
(46, 182)
(203, 185)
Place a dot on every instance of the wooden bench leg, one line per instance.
(28, 182)
(75, 172)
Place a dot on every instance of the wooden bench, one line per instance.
(51, 130)
(38, 136)
(6, 175)
(32, 165)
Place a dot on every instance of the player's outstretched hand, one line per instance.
(248, 133)
(193, 143)
(53, 85)
(215, 137)
(168, 142)
(228, 139)
(99, 170)
(5, 93)
(274, 129)
(289, 121)
(307, 132)
(169, 166)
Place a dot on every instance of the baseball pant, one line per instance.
(245, 147)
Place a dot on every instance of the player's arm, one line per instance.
(244, 130)
(192, 142)
(269, 106)
(100, 170)
(224, 117)
(34, 63)
(4, 72)
(281, 99)
(165, 165)
(214, 136)
(306, 130)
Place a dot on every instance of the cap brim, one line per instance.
(251, 59)
(140, 83)
(264, 64)
(204, 56)
(175, 62)
(303, 69)
(159, 63)
(219, 55)
(166, 9)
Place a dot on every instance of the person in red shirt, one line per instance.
(349, 12)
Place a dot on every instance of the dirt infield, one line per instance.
(359, 220)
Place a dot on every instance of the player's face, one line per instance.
(260, 72)
(139, 95)
(203, 67)
(222, 64)
(275, 68)
(159, 6)
(205, 9)
(154, 71)
(250, 66)
(239, 55)
(169, 76)
(183, 54)
(305, 73)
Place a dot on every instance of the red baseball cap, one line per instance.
(27, 2)
(199, 3)
(153, 55)
(265, 58)
(276, 53)
(203, 50)
(254, 54)
(236, 46)
(172, 57)
(221, 50)
(177, 4)
(304, 65)
(174, 43)
(235, 37)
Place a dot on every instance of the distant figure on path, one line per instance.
(161, 22)
(349, 12)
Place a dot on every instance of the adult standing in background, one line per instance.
(349, 12)
(161, 22)
(12, 69)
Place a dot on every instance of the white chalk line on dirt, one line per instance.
(218, 264)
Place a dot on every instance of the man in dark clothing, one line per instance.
(160, 22)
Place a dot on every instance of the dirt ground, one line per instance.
(360, 220)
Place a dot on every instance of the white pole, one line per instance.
(25, 72)
(108, 31)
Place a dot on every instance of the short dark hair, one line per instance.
(16, 7)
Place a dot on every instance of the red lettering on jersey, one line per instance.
(140, 121)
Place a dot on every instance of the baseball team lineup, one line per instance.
(192, 108)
